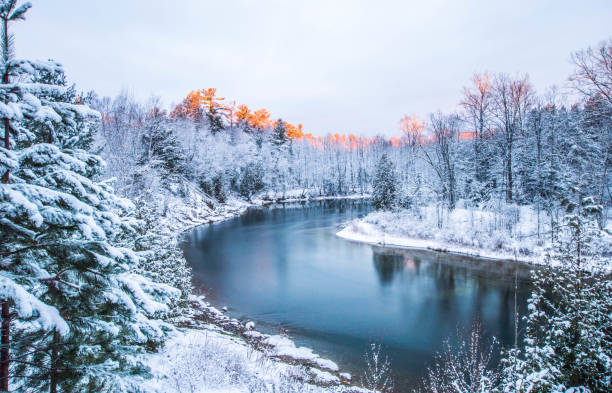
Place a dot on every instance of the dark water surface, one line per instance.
(283, 267)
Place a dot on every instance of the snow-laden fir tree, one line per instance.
(161, 260)
(162, 155)
(81, 315)
(251, 180)
(280, 154)
(279, 133)
(384, 185)
(568, 341)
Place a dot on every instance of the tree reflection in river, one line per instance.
(387, 265)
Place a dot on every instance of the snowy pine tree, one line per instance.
(279, 134)
(384, 185)
(567, 340)
(161, 259)
(162, 155)
(82, 315)
(251, 180)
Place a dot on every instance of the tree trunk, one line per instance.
(7, 146)
(509, 174)
(54, 363)
(5, 80)
(5, 349)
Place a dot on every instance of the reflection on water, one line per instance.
(284, 266)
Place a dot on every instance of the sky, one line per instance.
(334, 66)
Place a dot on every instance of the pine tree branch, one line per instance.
(9, 253)
(57, 278)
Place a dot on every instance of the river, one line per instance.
(283, 268)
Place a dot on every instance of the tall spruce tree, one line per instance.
(161, 258)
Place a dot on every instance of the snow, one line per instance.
(27, 306)
(299, 195)
(138, 286)
(346, 376)
(323, 377)
(508, 234)
(8, 159)
(283, 346)
(207, 361)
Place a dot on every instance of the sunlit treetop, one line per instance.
(199, 103)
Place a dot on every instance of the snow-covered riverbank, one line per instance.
(211, 352)
(511, 234)
(215, 353)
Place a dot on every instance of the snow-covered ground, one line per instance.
(511, 233)
(299, 195)
(211, 352)
(227, 356)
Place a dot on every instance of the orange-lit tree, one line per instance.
(200, 104)
(260, 119)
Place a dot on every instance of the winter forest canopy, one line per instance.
(93, 278)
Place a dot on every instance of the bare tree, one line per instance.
(412, 128)
(441, 153)
(593, 74)
(512, 99)
(593, 79)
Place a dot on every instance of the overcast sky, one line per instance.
(335, 66)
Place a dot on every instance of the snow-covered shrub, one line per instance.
(466, 367)
(377, 375)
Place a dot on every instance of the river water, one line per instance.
(283, 268)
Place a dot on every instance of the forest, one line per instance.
(94, 189)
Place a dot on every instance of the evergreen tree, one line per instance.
(161, 258)
(384, 185)
(568, 341)
(279, 134)
(251, 181)
(83, 316)
(280, 156)
(219, 188)
(161, 152)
